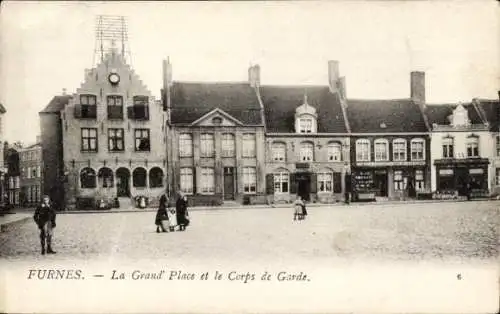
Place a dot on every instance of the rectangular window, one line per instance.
(207, 181)
(249, 145)
(306, 152)
(207, 145)
(186, 180)
(398, 180)
(115, 107)
(419, 180)
(115, 140)
(362, 150)
(279, 151)
(325, 182)
(448, 148)
(228, 146)
(142, 140)
(89, 140)
(334, 152)
(88, 108)
(249, 180)
(185, 145)
(417, 149)
(381, 151)
(140, 108)
(305, 125)
(399, 150)
(281, 180)
(88, 100)
(473, 147)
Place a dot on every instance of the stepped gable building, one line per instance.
(216, 140)
(307, 143)
(463, 146)
(105, 141)
(390, 147)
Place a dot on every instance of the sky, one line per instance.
(46, 46)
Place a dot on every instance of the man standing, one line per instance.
(45, 218)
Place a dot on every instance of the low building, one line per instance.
(390, 145)
(216, 141)
(30, 159)
(462, 148)
(307, 141)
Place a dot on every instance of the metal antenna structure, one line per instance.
(111, 33)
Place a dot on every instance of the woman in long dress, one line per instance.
(162, 215)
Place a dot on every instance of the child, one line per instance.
(299, 209)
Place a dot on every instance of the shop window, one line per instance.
(281, 182)
(419, 180)
(446, 179)
(399, 182)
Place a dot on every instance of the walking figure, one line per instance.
(45, 218)
(162, 215)
(182, 212)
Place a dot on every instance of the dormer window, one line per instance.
(305, 118)
(460, 117)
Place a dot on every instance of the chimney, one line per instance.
(167, 82)
(333, 75)
(254, 76)
(64, 91)
(417, 87)
(342, 87)
(38, 139)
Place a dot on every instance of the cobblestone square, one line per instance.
(428, 231)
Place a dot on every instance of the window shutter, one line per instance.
(314, 183)
(337, 182)
(293, 183)
(269, 183)
(146, 112)
(130, 112)
(78, 111)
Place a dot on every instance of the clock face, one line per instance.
(114, 78)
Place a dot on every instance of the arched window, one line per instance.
(139, 177)
(105, 176)
(399, 150)
(381, 150)
(334, 152)
(279, 151)
(155, 178)
(363, 150)
(87, 178)
(417, 149)
(281, 181)
(306, 151)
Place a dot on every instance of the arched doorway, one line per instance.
(123, 182)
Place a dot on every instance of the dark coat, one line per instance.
(44, 214)
(181, 211)
(161, 214)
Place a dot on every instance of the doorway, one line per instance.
(228, 183)
(380, 182)
(123, 182)
(461, 180)
(304, 186)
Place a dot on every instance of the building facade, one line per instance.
(215, 141)
(111, 132)
(390, 145)
(462, 149)
(3, 170)
(307, 143)
(12, 176)
(30, 159)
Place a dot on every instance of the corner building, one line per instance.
(111, 134)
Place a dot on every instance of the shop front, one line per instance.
(461, 175)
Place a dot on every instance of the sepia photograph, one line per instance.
(249, 157)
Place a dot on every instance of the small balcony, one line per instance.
(85, 111)
(138, 112)
(115, 112)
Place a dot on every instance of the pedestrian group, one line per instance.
(167, 220)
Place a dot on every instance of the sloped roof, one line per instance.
(438, 114)
(2, 109)
(191, 101)
(56, 104)
(398, 115)
(491, 109)
(280, 103)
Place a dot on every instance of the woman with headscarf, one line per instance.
(181, 212)
(162, 215)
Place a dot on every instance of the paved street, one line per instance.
(397, 232)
